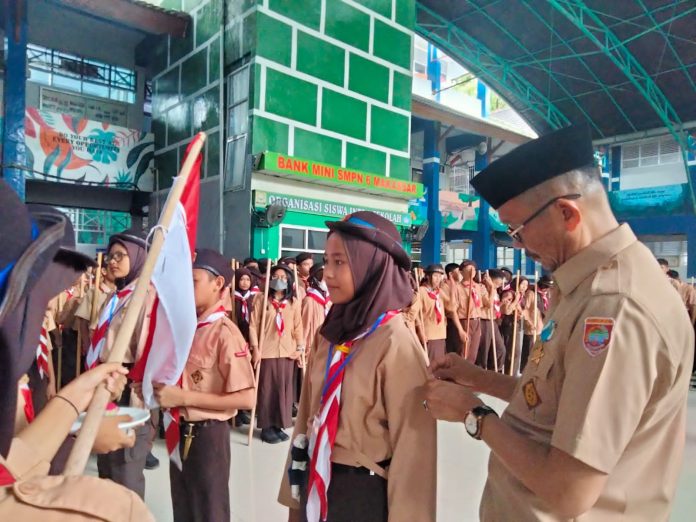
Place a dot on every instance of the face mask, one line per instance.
(278, 285)
(323, 286)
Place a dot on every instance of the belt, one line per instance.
(200, 424)
(353, 470)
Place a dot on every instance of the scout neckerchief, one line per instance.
(28, 401)
(42, 352)
(244, 300)
(474, 295)
(320, 298)
(116, 303)
(280, 324)
(172, 416)
(435, 296)
(325, 423)
(255, 290)
(545, 301)
(496, 306)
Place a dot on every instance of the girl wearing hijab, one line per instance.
(243, 297)
(125, 259)
(362, 432)
(283, 340)
(316, 306)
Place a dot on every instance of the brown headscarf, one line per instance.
(380, 285)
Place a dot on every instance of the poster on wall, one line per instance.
(79, 106)
(65, 148)
(460, 212)
(649, 202)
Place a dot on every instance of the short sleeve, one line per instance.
(84, 310)
(610, 367)
(233, 361)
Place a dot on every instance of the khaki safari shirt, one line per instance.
(606, 383)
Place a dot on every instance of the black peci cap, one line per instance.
(214, 262)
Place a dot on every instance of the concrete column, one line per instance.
(430, 247)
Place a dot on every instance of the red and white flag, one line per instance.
(173, 317)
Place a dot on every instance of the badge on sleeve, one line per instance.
(531, 395)
(597, 334)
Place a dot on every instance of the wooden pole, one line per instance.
(536, 308)
(514, 326)
(468, 315)
(303, 357)
(262, 334)
(493, 340)
(85, 440)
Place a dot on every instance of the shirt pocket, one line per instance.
(200, 368)
(540, 389)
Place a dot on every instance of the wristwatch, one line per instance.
(473, 422)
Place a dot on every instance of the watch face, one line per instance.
(471, 424)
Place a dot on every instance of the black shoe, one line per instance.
(269, 436)
(242, 418)
(281, 434)
(151, 462)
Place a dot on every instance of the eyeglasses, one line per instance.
(514, 233)
(116, 256)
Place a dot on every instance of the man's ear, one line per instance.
(570, 212)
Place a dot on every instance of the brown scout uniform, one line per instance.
(460, 305)
(279, 353)
(607, 384)
(490, 331)
(219, 362)
(37, 496)
(126, 466)
(381, 420)
(435, 333)
(412, 315)
(313, 315)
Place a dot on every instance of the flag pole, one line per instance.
(514, 326)
(262, 334)
(536, 307)
(85, 440)
(493, 340)
(303, 356)
(468, 315)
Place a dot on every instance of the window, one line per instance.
(506, 257)
(78, 74)
(295, 240)
(661, 151)
(237, 129)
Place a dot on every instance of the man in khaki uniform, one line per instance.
(595, 428)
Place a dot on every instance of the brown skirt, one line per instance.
(436, 349)
(276, 392)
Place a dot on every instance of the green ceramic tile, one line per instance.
(255, 87)
(158, 55)
(212, 155)
(237, 7)
(368, 78)
(167, 84)
(392, 45)
(363, 158)
(178, 121)
(214, 61)
(317, 147)
(208, 19)
(159, 129)
(306, 12)
(189, 5)
(167, 168)
(402, 89)
(194, 72)
(171, 4)
(399, 167)
(274, 39)
(383, 7)
(343, 114)
(406, 13)
(320, 59)
(347, 24)
(389, 129)
(205, 110)
(290, 97)
(269, 135)
(180, 47)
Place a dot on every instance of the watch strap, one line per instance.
(480, 412)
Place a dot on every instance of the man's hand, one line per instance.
(455, 368)
(110, 437)
(81, 390)
(255, 356)
(463, 337)
(168, 396)
(448, 401)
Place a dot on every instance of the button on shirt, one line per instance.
(607, 384)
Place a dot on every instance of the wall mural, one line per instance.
(65, 148)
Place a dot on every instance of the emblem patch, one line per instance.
(548, 331)
(597, 334)
(242, 353)
(537, 352)
(196, 376)
(531, 396)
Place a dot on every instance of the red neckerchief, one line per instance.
(435, 296)
(474, 295)
(545, 300)
(244, 300)
(319, 297)
(255, 290)
(497, 306)
(218, 313)
(280, 324)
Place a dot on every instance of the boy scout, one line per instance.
(217, 381)
(595, 428)
(433, 304)
(464, 329)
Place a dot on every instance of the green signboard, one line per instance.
(653, 201)
(316, 172)
(324, 208)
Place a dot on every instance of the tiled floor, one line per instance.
(256, 472)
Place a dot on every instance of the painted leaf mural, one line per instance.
(81, 150)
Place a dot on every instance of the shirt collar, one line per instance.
(574, 271)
